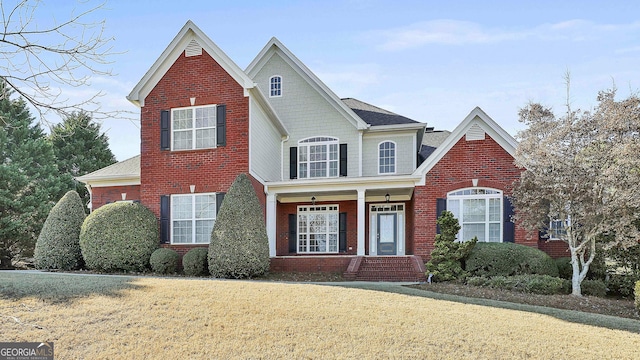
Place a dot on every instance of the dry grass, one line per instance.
(148, 318)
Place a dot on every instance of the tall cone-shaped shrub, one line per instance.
(239, 247)
(448, 254)
(58, 246)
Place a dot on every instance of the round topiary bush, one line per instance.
(164, 261)
(58, 245)
(508, 259)
(119, 236)
(195, 263)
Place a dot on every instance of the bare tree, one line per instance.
(582, 169)
(41, 56)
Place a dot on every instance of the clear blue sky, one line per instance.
(432, 61)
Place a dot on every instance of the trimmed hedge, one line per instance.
(58, 245)
(534, 284)
(195, 263)
(565, 270)
(593, 288)
(164, 261)
(119, 236)
(508, 259)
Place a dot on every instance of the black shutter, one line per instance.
(342, 235)
(441, 206)
(165, 143)
(221, 125)
(293, 233)
(219, 200)
(508, 226)
(343, 159)
(293, 162)
(165, 210)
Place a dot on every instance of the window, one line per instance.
(193, 127)
(318, 229)
(387, 157)
(193, 216)
(318, 157)
(275, 86)
(479, 212)
(558, 229)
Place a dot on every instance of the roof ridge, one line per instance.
(383, 111)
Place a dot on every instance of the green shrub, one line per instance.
(239, 246)
(622, 284)
(623, 269)
(593, 288)
(58, 246)
(448, 254)
(508, 259)
(164, 261)
(534, 284)
(119, 236)
(195, 263)
(565, 270)
(637, 292)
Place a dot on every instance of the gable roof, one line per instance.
(431, 140)
(476, 117)
(275, 46)
(179, 43)
(126, 170)
(374, 115)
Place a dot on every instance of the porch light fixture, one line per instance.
(313, 200)
(387, 197)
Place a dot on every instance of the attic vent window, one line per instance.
(193, 49)
(475, 132)
(275, 86)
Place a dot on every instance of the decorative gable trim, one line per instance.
(475, 133)
(189, 32)
(193, 49)
(476, 119)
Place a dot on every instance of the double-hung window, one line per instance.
(318, 229)
(387, 157)
(318, 157)
(193, 127)
(479, 212)
(192, 218)
(275, 86)
(558, 229)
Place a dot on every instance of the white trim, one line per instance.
(304, 210)
(193, 218)
(499, 194)
(194, 129)
(361, 219)
(395, 157)
(400, 231)
(360, 133)
(307, 143)
(415, 151)
(270, 89)
(272, 231)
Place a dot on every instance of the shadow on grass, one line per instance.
(59, 288)
(610, 322)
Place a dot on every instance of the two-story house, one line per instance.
(346, 186)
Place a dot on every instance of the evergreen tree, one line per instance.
(80, 148)
(448, 254)
(29, 179)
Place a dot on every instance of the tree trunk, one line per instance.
(5, 260)
(575, 277)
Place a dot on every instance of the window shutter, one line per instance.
(508, 226)
(342, 235)
(293, 162)
(165, 143)
(293, 233)
(219, 200)
(441, 206)
(343, 159)
(165, 210)
(221, 125)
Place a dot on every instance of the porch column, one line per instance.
(361, 213)
(271, 223)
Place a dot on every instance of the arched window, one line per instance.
(479, 211)
(318, 157)
(387, 157)
(275, 86)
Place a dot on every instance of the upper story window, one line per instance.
(275, 86)
(193, 127)
(479, 212)
(192, 218)
(318, 157)
(387, 157)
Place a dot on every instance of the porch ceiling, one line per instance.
(373, 195)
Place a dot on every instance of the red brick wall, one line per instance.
(555, 248)
(103, 195)
(165, 172)
(332, 264)
(484, 160)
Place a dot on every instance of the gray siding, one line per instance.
(404, 152)
(265, 145)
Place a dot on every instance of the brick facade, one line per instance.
(484, 160)
(103, 195)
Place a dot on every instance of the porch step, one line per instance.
(386, 268)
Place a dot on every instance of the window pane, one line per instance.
(471, 230)
(333, 243)
(205, 206)
(205, 138)
(203, 230)
(494, 232)
(333, 168)
(182, 119)
(302, 243)
(318, 169)
(302, 153)
(302, 171)
(182, 231)
(454, 207)
(182, 140)
(206, 117)
(333, 223)
(494, 209)
(333, 152)
(473, 210)
(181, 206)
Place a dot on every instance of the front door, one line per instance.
(387, 233)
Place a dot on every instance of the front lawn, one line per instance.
(129, 317)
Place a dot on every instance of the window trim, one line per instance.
(193, 128)
(395, 158)
(496, 194)
(327, 142)
(271, 83)
(193, 218)
(330, 209)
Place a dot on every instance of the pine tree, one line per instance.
(29, 179)
(80, 148)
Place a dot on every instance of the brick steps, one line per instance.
(387, 268)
